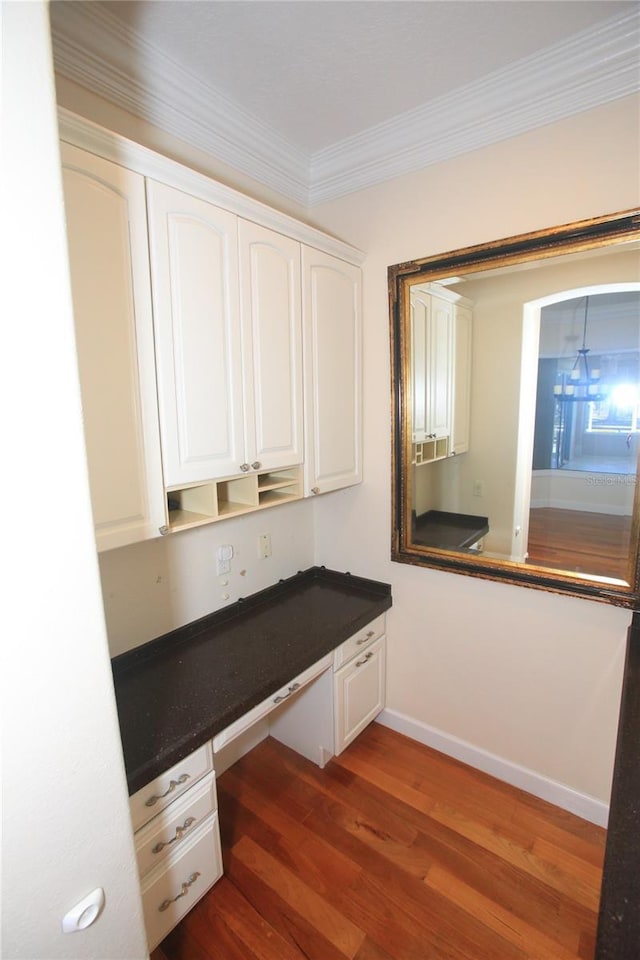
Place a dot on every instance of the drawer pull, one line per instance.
(292, 689)
(368, 635)
(185, 890)
(173, 784)
(180, 831)
(366, 657)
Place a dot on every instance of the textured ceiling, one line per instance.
(318, 98)
(319, 71)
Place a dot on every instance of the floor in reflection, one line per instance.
(581, 542)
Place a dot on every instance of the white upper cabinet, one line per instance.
(107, 236)
(431, 319)
(270, 307)
(440, 369)
(420, 321)
(441, 325)
(333, 372)
(219, 343)
(461, 379)
(194, 268)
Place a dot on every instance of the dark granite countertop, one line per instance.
(178, 691)
(448, 531)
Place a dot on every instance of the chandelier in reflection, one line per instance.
(581, 383)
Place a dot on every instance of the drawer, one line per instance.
(169, 892)
(262, 709)
(169, 830)
(162, 791)
(358, 642)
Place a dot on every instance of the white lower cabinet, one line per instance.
(177, 839)
(168, 893)
(359, 683)
(175, 817)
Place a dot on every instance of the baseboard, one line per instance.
(540, 786)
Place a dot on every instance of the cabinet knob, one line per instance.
(256, 464)
(315, 489)
(244, 467)
(164, 530)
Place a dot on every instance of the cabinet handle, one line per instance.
(173, 784)
(256, 464)
(180, 831)
(163, 530)
(366, 657)
(370, 633)
(292, 689)
(185, 890)
(245, 467)
(315, 489)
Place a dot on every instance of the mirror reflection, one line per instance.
(520, 389)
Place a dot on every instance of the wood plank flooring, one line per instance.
(392, 852)
(594, 543)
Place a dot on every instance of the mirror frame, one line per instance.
(578, 237)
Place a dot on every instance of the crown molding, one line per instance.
(590, 69)
(97, 51)
(95, 139)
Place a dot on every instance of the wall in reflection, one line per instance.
(485, 480)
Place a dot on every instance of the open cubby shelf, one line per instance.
(198, 503)
(429, 450)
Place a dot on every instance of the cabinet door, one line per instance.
(420, 319)
(271, 310)
(461, 380)
(107, 236)
(332, 331)
(439, 368)
(359, 693)
(194, 269)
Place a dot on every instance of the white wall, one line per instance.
(528, 677)
(65, 807)
(524, 676)
(154, 587)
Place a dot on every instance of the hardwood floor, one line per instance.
(392, 852)
(595, 543)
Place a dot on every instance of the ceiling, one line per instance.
(317, 98)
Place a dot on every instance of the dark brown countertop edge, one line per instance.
(154, 651)
(245, 606)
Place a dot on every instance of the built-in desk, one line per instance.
(448, 531)
(180, 690)
(306, 657)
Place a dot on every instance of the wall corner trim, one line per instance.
(561, 795)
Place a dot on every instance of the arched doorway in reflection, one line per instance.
(577, 479)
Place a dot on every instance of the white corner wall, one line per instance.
(514, 678)
(65, 806)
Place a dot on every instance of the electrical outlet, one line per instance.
(264, 546)
(478, 488)
(223, 559)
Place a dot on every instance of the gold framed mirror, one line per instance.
(515, 375)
